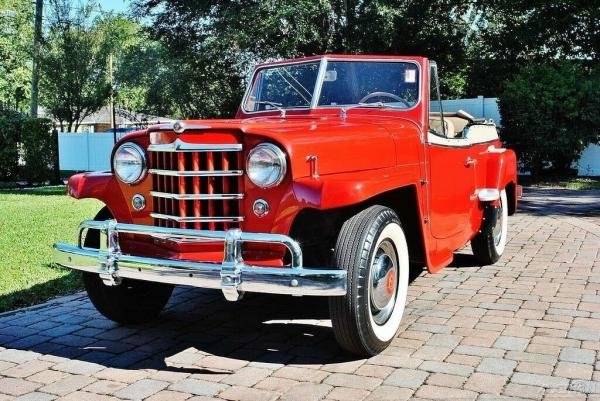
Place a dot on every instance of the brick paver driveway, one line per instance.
(527, 327)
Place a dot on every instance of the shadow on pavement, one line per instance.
(196, 323)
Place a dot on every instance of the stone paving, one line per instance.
(527, 327)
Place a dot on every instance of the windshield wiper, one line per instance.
(376, 105)
(278, 106)
(292, 86)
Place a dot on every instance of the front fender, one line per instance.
(346, 189)
(102, 186)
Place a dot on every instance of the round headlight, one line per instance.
(129, 163)
(266, 165)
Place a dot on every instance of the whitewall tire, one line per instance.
(372, 248)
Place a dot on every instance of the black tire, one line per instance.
(359, 250)
(489, 243)
(130, 302)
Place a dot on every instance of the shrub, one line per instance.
(550, 114)
(40, 150)
(10, 129)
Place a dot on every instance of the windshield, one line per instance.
(390, 84)
(288, 86)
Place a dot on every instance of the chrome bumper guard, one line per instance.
(232, 276)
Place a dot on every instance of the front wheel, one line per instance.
(489, 243)
(372, 248)
(130, 302)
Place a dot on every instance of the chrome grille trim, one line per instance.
(192, 219)
(209, 173)
(167, 195)
(180, 146)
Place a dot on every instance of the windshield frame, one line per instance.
(314, 103)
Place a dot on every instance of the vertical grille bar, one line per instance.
(181, 167)
(196, 187)
(211, 188)
(226, 187)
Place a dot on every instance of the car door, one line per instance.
(451, 186)
(452, 175)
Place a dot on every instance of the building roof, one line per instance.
(123, 117)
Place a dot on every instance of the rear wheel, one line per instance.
(130, 302)
(488, 245)
(372, 248)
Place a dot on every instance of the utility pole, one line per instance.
(35, 73)
(111, 78)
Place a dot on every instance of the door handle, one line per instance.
(470, 162)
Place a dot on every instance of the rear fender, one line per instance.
(501, 170)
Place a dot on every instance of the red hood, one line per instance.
(356, 143)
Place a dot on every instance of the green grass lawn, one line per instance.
(31, 220)
(580, 183)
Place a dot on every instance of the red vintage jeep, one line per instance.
(334, 178)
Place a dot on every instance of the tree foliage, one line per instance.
(16, 38)
(10, 130)
(509, 34)
(213, 44)
(73, 64)
(550, 113)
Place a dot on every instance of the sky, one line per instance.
(114, 5)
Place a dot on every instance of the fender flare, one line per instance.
(101, 186)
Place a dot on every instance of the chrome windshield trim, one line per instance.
(199, 173)
(319, 84)
(180, 146)
(168, 195)
(194, 219)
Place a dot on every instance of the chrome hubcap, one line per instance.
(497, 230)
(383, 282)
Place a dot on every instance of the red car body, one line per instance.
(444, 176)
(360, 157)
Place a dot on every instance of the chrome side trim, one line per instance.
(193, 219)
(200, 173)
(488, 194)
(232, 276)
(167, 195)
(181, 146)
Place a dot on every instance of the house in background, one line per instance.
(100, 121)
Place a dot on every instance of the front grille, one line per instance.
(197, 186)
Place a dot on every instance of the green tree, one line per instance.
(550, 114)
(74, 80)
(16, 39)
(509, 34)
(213, 43)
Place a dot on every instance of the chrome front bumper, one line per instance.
(232, 276)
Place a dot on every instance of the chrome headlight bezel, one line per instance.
(141, 160)
(277, 157)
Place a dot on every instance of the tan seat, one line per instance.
(435, 123)
(459, 123)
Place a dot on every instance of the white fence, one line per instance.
(85, 151)
(91, 151)
(487, 107)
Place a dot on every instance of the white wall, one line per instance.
(589, 164)
(85, 151)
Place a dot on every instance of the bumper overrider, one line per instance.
(232, 276)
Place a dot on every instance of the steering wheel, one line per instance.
(386, 94)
